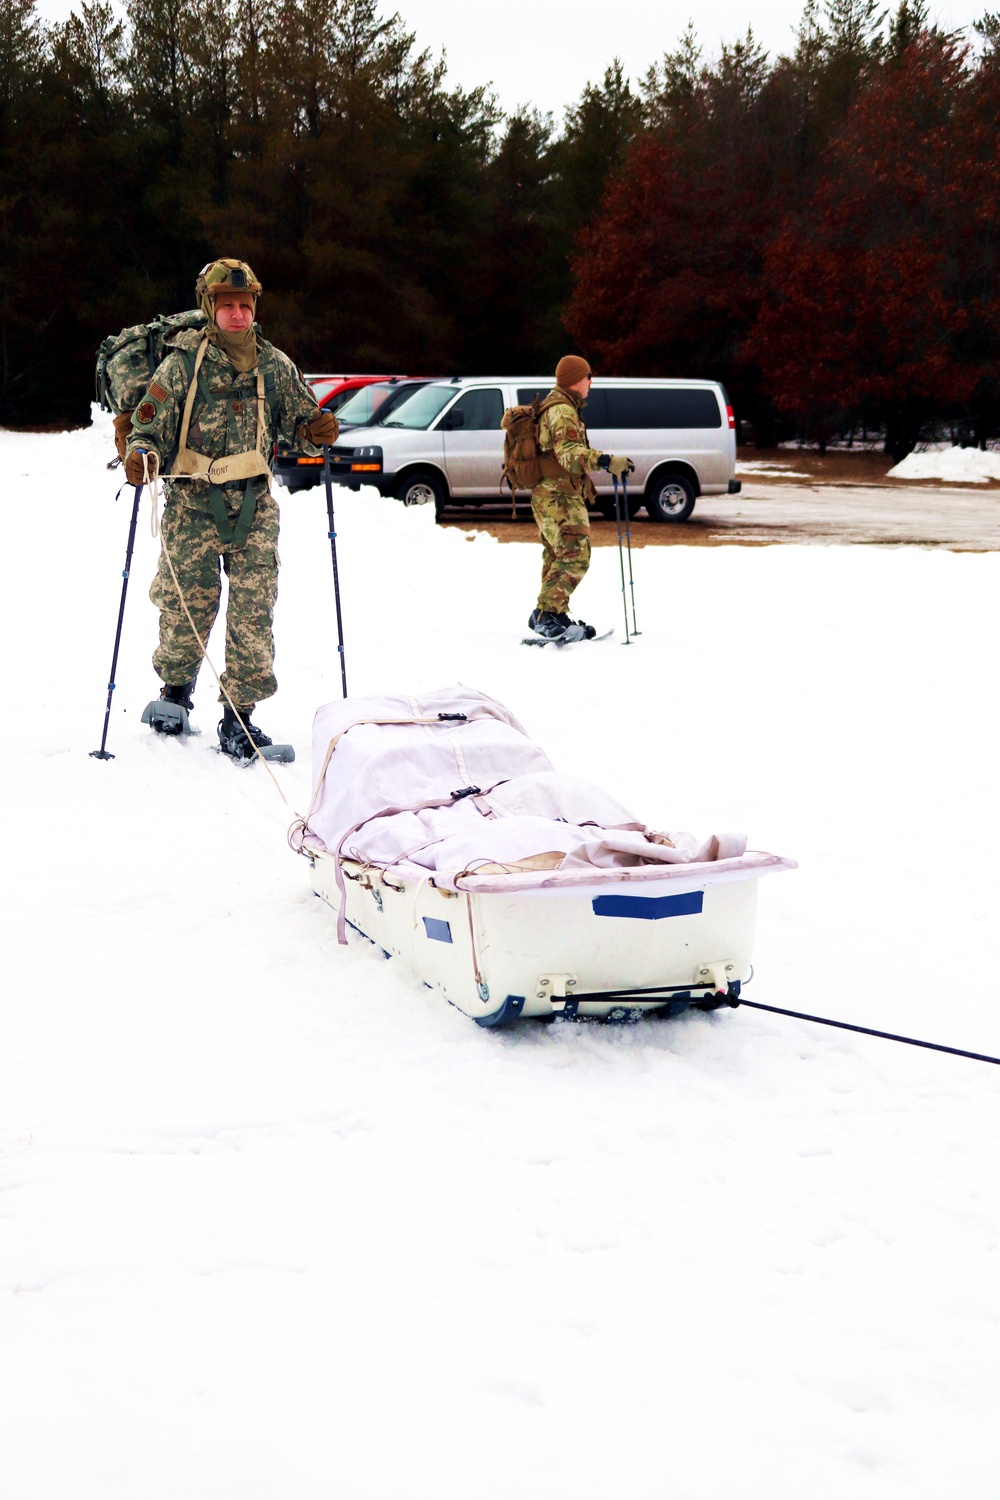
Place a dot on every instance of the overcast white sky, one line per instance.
(543, 52)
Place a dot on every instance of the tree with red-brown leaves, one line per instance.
(868, 308)
(975, 207)
(667, 274)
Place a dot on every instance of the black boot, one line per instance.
(237, 741)
(544, 622)
(179, 692)
(172, 720)
(589, 631)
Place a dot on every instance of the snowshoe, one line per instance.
(168, 714)
(589, 631)
(243, 744)
(559, 630)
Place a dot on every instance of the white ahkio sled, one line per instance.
(442, 833)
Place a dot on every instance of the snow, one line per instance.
(957, 465)
(277, 1222)
(771, 470)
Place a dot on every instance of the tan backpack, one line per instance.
(524, 463)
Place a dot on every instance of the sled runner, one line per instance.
(442, 833)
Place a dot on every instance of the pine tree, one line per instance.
(905, 27)
(670, 87)
(597, 135)
(854, 47)
(987, 28)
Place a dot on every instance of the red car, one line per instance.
(333, 390)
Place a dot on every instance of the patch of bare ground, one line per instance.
(644, 533)
(867, 466)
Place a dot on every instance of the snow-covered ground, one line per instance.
(958, 465)
(275, 1222)
(745, 466)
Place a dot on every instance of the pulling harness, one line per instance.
(246, 466)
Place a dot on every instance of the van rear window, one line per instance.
(635, 408)
(660, 408)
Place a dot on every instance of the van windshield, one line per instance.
(362, 405)
(418, 411)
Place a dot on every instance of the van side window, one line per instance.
(661, 408)
(594, 410)
(482, 410)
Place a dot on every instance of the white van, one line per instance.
(444, 445)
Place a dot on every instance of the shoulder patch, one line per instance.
(157, 392)
(572, 434)
(146, 412)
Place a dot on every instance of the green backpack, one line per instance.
(126, 361)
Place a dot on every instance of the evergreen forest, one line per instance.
(819, 230)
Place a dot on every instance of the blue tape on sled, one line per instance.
(649, 908)
(438, 930)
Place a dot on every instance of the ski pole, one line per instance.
(628, 545)
(621, 555)
(104, 753)
(332, 534)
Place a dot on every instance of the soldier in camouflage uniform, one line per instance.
(559, 504)
(208, 421)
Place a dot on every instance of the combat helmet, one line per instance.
(224, 276)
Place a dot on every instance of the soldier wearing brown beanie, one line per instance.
(570, 370)
(559, 501)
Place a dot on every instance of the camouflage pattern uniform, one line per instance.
(223, 421)
(560, 505)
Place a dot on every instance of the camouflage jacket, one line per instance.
(224, 415)
(561, 431)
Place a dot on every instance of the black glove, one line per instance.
(615, 464)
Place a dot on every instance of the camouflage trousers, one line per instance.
(562, 519)
(196, 552)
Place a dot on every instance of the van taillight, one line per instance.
(729, 414)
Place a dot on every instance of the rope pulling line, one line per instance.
(888, 1036)
(653, 993)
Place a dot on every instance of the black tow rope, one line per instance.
(888, 1036)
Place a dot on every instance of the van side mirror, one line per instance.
(452, 420)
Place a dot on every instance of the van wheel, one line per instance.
(423, 489)
(670, 497)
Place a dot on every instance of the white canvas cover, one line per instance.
(386, 770)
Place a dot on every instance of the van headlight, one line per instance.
(366, 460)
